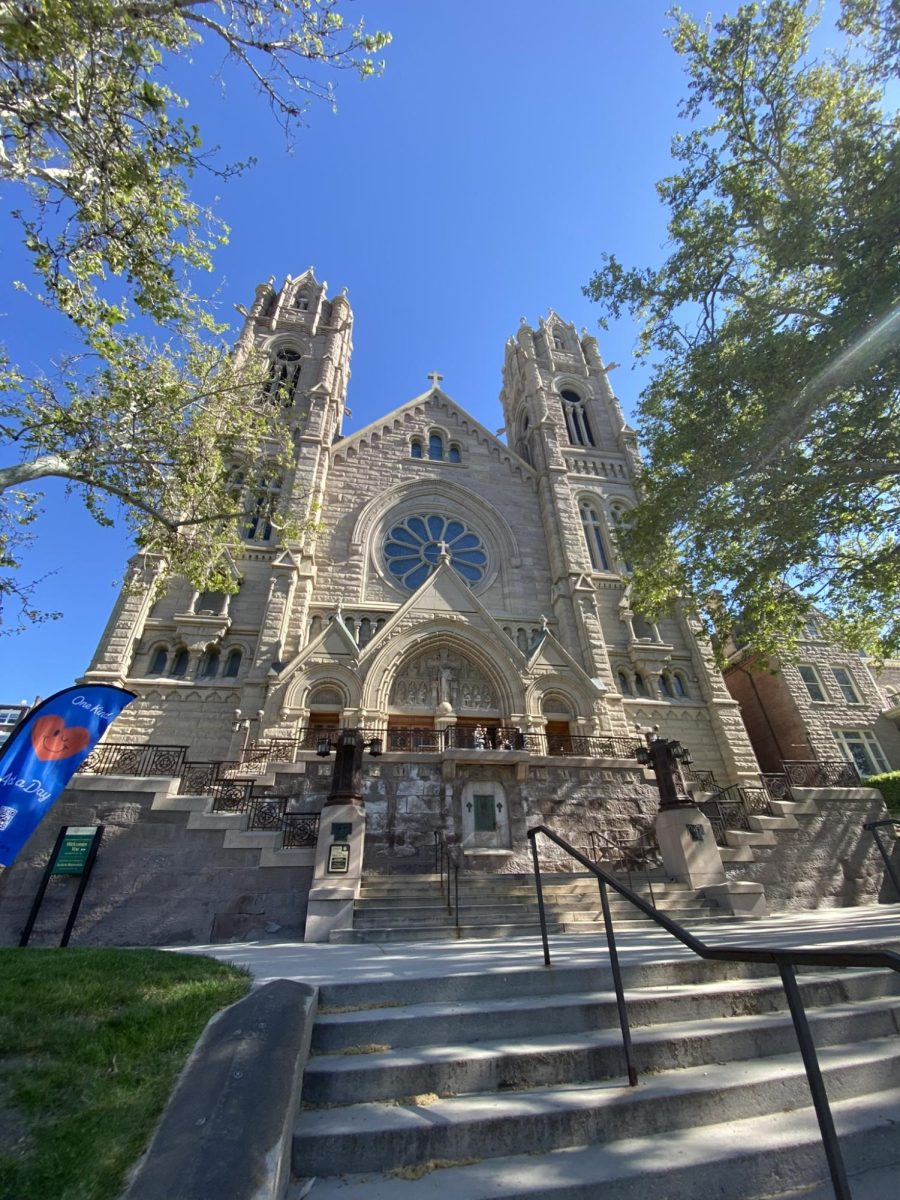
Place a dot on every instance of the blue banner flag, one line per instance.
(44, 751)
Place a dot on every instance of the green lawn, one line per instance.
(91, 1042)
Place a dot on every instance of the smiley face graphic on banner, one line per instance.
(44, 751)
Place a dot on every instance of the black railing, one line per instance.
(784, 957)
(301, 831)
(875, 827)
(634, 857)
(446, 860)
(732, 807)
(821, 773)
(414, 739)
(776, 784)
(705, 780)
(125, 758)
(231, 795)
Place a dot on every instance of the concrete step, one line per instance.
(734, 1160)
(527, 1015)
(489, 909)
(383, 1137)
(500, 1065)
(474, 988)
(510, 929)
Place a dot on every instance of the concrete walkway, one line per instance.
(321, 963)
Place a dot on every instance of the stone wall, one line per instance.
(407, 802)
(155, 881)
(829, 861)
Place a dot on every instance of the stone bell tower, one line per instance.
(563, 418)
(188, 649)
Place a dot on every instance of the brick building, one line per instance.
(829, 704)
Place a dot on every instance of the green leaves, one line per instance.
(95, 150)
(770, 417)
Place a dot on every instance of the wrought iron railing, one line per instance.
(875, 828)
(705, 780)
(301, 831)
(732, 807)
(231, 795)
(821, 773)
(125, 758)
(414, 739)
(776, 784)
(637, 856)
(785, 958)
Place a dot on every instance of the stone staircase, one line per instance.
(407, 908)
(510, 1085)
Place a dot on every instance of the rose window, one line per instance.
(413, 547)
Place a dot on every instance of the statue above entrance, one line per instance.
(445, 681)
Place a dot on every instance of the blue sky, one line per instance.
(508, 143)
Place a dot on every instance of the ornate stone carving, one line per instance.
(442, 680)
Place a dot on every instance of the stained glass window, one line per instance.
(412, 549)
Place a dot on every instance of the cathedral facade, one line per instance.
(459, 595)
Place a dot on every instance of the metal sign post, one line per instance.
(74, 853)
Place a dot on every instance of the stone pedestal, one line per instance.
(688, 847)
(334, 891)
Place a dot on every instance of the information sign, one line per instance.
(74, 849)
(339, 858)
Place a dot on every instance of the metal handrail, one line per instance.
(443, 854)
(873, 827)
(785, 958)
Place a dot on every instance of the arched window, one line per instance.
(209, 664)
(158, 662)
(233, 665)
(259, 527)
(453, 454)
(593, 535)
(315, 627)
(558, 342)
(301, 301)
(640, 688)
(624, 685)
(284, 375)
(436, 447)
(180, 664)
(365, 631)
(577, 424)
(415, 448)
(665, 688)
(678, 686)
(619, 519)
(522, 640)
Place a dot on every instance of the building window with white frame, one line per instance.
(862, 747)
(845, 682)
(810, 677)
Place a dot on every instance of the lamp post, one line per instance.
(346, 779)
(342, 833)
(663, 757)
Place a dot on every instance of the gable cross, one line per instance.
(435, 378)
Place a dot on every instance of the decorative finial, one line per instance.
(435, 378)
(443, 551)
